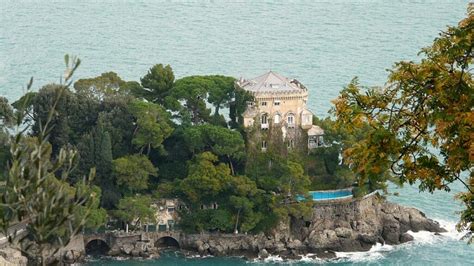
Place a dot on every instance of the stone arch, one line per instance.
(167, 242)
(97, 246)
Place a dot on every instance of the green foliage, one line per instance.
(206, 220)
(44, 101)
(157, 84)
(152, 125)
(97, 216)
(36, 190)
(106, 84)
(325, 164)
(196, 92)
(135, 209)
(193, 91)
(419, 126)
(207, 178)
(237, 107)
(6, 121)
(218, 140)
(132, 172)
(6, 113)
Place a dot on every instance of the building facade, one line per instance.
(281, 103)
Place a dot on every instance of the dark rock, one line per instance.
(263, 254)
(406, 237)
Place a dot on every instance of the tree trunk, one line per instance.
(231, 166)
(237, 221)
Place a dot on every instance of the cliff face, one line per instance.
(355, 225)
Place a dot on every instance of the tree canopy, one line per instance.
(419, 127)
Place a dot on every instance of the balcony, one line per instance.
(264, 126)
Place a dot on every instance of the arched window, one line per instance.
(290, 144)
(264, 119)
(264, 145)
(290, 119)
(277, 119)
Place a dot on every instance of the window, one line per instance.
(290, 120)
(264, 119)
(264, 103)
(264, 145)
(277, 119)
(291, 143)
(276, 103)
(170, 209)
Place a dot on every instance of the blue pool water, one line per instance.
(328, 195)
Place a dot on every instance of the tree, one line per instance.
(6, 113)
(237, 107)
(37, 194)
(106, 84)
(419, 126)
(152, 125)
(218, 140)
(42, 105)
(221, 92)
(6, 121)
(132, 172)
(241, 199)
(135, 209)
(102, 154)
(206, 179)
(157, 84)
(193, 92)
(97, 216)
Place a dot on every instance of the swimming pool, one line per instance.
(329, 194)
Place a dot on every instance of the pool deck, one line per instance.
(330, 200)
(341, 200)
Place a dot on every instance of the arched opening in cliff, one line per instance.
(97, 247)
(167, 242)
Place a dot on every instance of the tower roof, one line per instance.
(271, 82)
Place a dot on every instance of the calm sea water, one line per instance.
(322, 43)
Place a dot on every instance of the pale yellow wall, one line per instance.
(293, 103)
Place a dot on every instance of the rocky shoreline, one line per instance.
(343, 226)
(356, 225)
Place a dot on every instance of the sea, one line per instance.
(323, 44)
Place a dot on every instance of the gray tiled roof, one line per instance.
(271, 82)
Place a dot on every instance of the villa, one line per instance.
(280, 103)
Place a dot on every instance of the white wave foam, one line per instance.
(274, 258)
(452, 233)
(425, 237)
(311, 258)
(375, 253)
